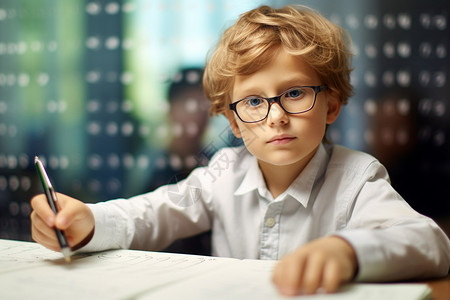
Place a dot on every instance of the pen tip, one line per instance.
(67, 253)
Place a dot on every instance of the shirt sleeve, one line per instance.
(154, 220)
(391, 240)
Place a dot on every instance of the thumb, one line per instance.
(69, 211)
(75, 218)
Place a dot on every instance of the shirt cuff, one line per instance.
(368, 253)
(104, 232)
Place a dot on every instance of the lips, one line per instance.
(281, 139)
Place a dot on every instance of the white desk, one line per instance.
(29, 271)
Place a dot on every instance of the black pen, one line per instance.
(53, 202)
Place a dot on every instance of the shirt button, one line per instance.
(270, 222)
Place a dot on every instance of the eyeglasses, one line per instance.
(295, 100)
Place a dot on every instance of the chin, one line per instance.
(283, 160)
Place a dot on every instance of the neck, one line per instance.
(279, 178)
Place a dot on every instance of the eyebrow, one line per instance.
(287, 84)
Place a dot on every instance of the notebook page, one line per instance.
(251, 279)
(29, 271)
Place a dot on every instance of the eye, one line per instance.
(294, 93)
(253, 102)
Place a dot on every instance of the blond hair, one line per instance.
(252, 42)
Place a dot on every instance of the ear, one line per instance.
(334, 107)
(234, 126)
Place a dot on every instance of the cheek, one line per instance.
(310, 127)
(251, 133)
(320, 127)
(319, 117)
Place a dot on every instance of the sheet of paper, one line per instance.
(250, 279)
(29, 271)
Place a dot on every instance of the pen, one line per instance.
(53, 202)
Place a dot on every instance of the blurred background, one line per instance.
(108, 94)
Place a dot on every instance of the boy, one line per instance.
(328, 213)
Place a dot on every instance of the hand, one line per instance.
(74, 218)
(327, 262)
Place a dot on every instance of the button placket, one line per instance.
(270, 232)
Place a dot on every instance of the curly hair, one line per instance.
(252, 41)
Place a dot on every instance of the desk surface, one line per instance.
(440, 288)
(128, 274)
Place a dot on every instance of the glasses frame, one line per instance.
(277, 99)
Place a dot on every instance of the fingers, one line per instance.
(42, 233)
(322, 272)
(302, 273)
(288, 275)
(325, 263)
(312, 278)
(71, 211)
(42, 223)
(331, 278)
(73, 217)
(40, 206)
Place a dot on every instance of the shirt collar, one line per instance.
(300, 189)
(253, 179)
(302, 186)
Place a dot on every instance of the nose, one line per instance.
(277, 115)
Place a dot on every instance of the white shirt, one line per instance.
(340, 192)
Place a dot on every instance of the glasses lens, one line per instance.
(298, 99)
(252, 109)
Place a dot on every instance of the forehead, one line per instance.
(282, 72)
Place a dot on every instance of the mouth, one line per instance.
(281, 139)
